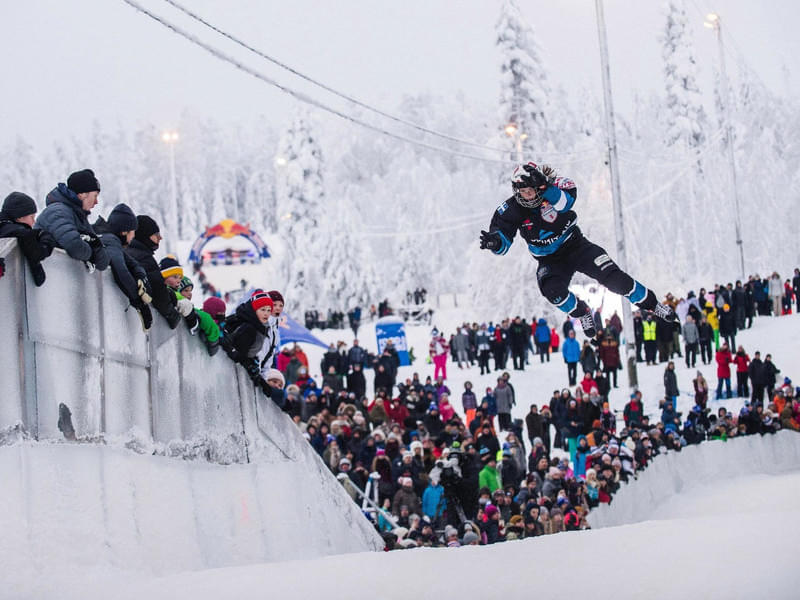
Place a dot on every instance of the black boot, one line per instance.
(65, 422)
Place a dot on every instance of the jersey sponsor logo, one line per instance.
(527, 224)
(603, 261)
(543, 233)
(502, 208)
(549, 213)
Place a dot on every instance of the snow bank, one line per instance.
(712, 463)
(84, 505)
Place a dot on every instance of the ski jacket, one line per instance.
(542, 332)
(126, 270)
(489, 478)
(742, 361)
(545, 228)
(690, 333)
(588, 360)
(244, 334)
(554, 339)
(482, 341)
(724, 358)
(571, 350)
(438, 346)
(671, 384)
(469, 401)
(164, 299)
(504, 399)
(632, 414)
(65, 219)
(35, 244)
(609, 353)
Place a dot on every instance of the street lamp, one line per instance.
(713, 21)
(616, 192)
(513, 132)
(170, 138)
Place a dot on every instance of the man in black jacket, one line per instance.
(116, 233)
(141, 249)
(16, 221)
(66, 218)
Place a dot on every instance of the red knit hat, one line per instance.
(275, 295)
(260, 299)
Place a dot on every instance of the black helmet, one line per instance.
(528, 175)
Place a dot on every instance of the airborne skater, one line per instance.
(541, 209)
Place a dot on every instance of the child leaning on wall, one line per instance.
(196, 319)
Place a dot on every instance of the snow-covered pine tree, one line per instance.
(524, 86)
(687, 123)
(300, 196)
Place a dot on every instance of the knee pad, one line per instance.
(555, 290)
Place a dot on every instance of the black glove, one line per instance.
(535, 176)
(490, 240)
(253, 369)
(93, 241)
(2, 266)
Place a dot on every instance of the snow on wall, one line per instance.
(158, 394)
(88, 505)
(705, 464)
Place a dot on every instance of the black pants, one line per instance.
(612, 376)
(572, 373)
(758, 394)
(741, 384)
(504, 421)
(580, 255)
(705, 351)
(518, 357)
(483, 361)
(650, 347)
(639, 344)
(499, 358)
(731, 340)
(691, 354)
(543, 348)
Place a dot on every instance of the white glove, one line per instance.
(185, 307)
(89, 266)
(143, 292)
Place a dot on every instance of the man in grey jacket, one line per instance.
(691, 337)
(66, 218)
(505, 400)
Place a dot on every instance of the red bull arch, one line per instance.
(228, 229)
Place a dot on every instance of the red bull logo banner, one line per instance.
(228, 229)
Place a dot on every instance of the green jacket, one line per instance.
(490, 478)
(208, 326)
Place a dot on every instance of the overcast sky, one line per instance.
(67, 63)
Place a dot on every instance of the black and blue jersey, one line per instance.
(545, 228)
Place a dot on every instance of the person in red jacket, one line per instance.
(587, 383)
(555, 340)
(742, 361)
(724, 359)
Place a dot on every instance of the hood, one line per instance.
(62, 194)
(543, 322)
(246, 313)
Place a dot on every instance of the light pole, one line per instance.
(170, 138)
(713, 21)
(514, 133)
(616, 193)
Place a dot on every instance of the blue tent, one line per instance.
(291, 331)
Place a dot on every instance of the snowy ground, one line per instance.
(731, 538)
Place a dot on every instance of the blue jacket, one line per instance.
(430, 500)
(542, 332)
(65, 219)
(571, 350)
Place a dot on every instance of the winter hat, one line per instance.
(344, 461)
(276, 296)
(145, 227)
(214, 306)
(185, 283)
(490, 510)
(122, 219)
(537, 441)
(275, 374)
(169, 266)
(260, 299)
(416, 444)
(83, 181)
(554, 472)
(18, 205)
(470, 537)
(450, 531)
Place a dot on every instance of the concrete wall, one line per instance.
(74, 341)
